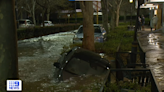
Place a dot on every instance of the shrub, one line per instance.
(114, 38)
(116, 87)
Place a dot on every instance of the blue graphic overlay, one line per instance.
(14, 85)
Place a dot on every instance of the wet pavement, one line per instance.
(152, 42)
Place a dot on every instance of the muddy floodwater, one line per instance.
(36, 57)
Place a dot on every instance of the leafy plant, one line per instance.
(116, 87)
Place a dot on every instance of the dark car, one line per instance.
(83, 67)
(79, 61)
(99, 34)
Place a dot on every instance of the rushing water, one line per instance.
(36, 57)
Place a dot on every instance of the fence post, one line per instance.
(134, 53)
(119, 74)
(142, 58)
(109, 77)
(153, 85)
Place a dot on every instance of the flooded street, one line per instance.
(36, 57)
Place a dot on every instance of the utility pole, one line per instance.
(75, 14)
(8, 43)
(135, 42)
(97, 13)
(131, 2)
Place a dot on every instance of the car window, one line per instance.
(21, 22)
(97, 29)
(45, 22)
(80, 30)
(28, 22)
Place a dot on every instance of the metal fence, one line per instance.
(134, 70)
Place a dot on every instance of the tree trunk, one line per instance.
(125, 16)
(112, 20)
(118, 12)
(33, 12)
(117, 16)
(43, 12)
(104, 5)
(113, 15)
(21, 15)
(48, 14)
(8, 43)
(37, 18)
(88, 29)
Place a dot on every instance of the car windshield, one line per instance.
(29, 22)
(21, 22)
(46, 22)
(97, 29)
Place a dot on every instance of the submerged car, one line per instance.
(78, 62)
(99, 34)
(47, 23)
(82, 68)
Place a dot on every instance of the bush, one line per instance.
(114, 38)
(116, 87)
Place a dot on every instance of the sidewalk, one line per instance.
(152, 43)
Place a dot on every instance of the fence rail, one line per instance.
(146, 76)
(134, 70)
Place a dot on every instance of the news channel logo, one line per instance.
(14, 85)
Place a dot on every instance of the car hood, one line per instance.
(80, 35)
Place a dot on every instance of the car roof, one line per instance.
(24, 19)
(96, 24)
(93, 25)
(47, 21)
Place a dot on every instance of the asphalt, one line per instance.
(152, 43)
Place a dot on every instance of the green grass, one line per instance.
(116, 87)
(114, 38)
